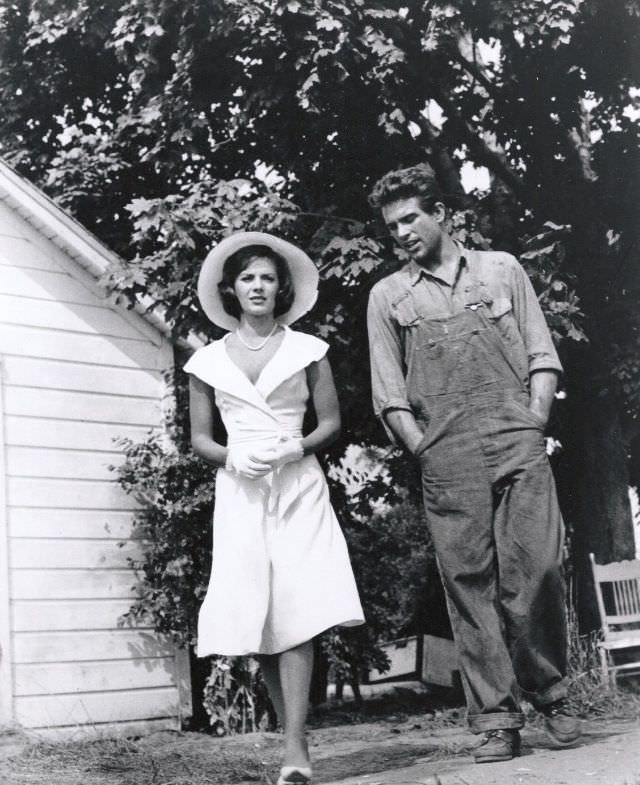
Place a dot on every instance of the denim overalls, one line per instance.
(491, 504)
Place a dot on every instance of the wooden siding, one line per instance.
(70, 678)
(6, 686)
(78, 374)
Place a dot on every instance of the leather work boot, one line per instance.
(497, 745)
(560, 723)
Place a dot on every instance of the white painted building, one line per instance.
(76, 372)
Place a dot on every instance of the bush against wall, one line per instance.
(176, 490)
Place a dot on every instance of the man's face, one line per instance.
(418, 232)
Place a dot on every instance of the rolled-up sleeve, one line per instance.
(388, 384)
(541, 352)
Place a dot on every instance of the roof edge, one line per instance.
(81, 244)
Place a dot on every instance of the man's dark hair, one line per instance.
(419, 180)
(238, 262)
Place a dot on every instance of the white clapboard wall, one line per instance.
(76, 374)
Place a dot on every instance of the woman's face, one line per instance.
(257, 286)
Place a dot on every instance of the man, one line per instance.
(464, 373)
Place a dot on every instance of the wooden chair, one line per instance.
(617, 588)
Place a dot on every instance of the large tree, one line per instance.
(163, 125)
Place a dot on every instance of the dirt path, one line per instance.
(609, 754)
(413, 751)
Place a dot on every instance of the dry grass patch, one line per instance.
(160, 759)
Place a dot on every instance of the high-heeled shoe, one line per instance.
(294, 775)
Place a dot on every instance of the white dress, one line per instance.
(281, 572)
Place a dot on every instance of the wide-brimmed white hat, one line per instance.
(304, 277)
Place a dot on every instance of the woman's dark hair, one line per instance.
(238, 262)
(419, 180)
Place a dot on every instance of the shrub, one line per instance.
(176, 490)
(235, 696)
(392, 553)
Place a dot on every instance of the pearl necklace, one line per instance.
(260, 345)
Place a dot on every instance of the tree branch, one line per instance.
(483, 154)
(477, 73)
(581, 142)
(447, 171)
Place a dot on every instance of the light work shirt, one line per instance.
(489, 279)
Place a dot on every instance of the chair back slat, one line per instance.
(627, 597)
(617, 588)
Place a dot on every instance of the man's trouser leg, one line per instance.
(529, 535)
(459, 508)
(494, 518)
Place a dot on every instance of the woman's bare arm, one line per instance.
(325, 401)
(201, 408)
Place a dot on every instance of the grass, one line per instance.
(161, 759)
(400, 725)
(589, 695)
(391, 730)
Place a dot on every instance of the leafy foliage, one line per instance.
(235, 697)
(173, 528)
(401, 534)
(390, 589)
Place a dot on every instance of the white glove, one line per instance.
(240, 461)
(285, 450)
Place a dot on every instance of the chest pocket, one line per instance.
(499, 307)
(500, 313)
(404, 311)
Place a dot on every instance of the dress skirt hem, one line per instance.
(262, 649)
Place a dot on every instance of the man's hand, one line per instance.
(406, 428)
(543, 386)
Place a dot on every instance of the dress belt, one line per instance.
(259, 437)
(274, 480)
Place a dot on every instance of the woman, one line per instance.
(281, 571)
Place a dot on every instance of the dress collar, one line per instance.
(293, 354)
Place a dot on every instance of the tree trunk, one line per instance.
(593, 479)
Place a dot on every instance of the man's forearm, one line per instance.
(405, 428)
(543, 387)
